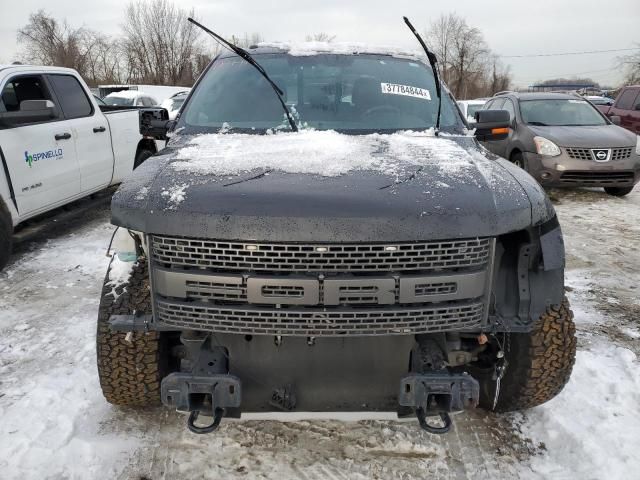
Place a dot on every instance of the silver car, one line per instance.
(563, 141)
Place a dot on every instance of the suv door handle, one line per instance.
(63, 136)
(99, 129)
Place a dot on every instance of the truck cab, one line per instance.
(57, 145)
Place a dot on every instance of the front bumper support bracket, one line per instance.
(438, 394)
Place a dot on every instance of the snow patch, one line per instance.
(175, 195)
(142, 194)
(302, 49)
(119, 274)
(325, 153)
(591, 429)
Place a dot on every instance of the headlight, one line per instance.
(546, 147)
(637, 144)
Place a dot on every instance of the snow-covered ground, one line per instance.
(55, 424)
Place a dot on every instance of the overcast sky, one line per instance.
(509, 27)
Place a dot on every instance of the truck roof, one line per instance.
(544, 96)
(303, 49)
(40, 68)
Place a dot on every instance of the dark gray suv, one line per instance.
(562, 140)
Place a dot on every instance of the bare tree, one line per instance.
(159, 44)
(631, 65)
(49, 42)
(440, 37)
(320, 37)
(465, 61)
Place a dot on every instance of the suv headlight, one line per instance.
(637, 144)
(546, 147)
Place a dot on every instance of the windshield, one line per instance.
(560, 112)
(350, 93)
(127, 102)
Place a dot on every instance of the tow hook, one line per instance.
(193, 416)
(422, 420)
(199, 395)
(436, 395)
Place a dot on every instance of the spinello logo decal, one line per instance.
(30, 159)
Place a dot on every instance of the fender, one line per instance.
(12, 206)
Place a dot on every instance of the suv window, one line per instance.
(508, 106)
(19, 89)
(625, 101)
(72, 97)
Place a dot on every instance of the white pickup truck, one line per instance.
(57, 144)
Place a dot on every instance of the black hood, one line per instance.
(421, 198)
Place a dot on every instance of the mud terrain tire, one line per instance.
(130, 369)
(540, 362)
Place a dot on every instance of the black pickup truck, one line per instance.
(325, 235)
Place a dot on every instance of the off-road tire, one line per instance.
(540, 362)
(618, 191)
(141, 157)
(6, 236)
(130, 368)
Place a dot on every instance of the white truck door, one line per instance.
(40, 157)
(90, 131)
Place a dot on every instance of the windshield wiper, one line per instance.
(432, 61)
(538, 124)
(242, 53)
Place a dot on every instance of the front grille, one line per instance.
(176, 252)
(596, 178)
(334, 322)
(585, 153)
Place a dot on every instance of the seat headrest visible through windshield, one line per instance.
(366, 93)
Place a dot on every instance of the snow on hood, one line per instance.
(325, 153)
(302, 49)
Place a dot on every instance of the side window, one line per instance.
(488, 105)
(19, 89)
(497, 104)
(636, 105)
(508, 106)
(626, 98)
(72, 97)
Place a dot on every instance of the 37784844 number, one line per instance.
(406, 90)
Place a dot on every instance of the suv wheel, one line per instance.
(618, 191)
(519, 161)
(130, 365)
(539, 363)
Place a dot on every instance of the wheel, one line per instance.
(618, 191)
(6, 236)
(539, 363)
(519, 161)
(130, 368)
(141, 157)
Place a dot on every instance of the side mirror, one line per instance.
(492, 125)
(31, 111)
(637, 107)
(615, 119)
(154, 123)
